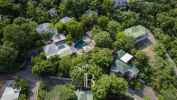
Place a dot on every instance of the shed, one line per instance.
(123, 56)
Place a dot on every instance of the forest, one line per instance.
(106, 22)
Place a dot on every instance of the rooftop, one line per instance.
(126, 58)
(59, 48)
(120, 64)
(65, 19)
(45, 28)
(136, 31)
(58, 37)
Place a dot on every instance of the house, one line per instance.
(45, 28)
(57, 47)
(10, 93)
(139, 33)
(65, 19)
(121, 65)
(84, 95)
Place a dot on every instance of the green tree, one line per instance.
(62, 92)
(123, 42)
(113, 27)
(77, 72)
(88, 19)
(43, 67)
(8, 56)
(64, 66)
(101, 57)
(59, 26)
(30, 9)
(107, 7)
(23, 36)
(109, 85)
(102, 21)
(74, 28)
(103, 39)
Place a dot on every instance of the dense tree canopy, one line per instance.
(109, 85)
(61, 92)
(18, 36)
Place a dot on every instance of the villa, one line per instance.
(121, 65)
(139, 33)
(57, 46)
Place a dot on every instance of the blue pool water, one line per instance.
(79, 44)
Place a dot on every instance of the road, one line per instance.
(27, 75)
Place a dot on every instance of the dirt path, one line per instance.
(149, 48)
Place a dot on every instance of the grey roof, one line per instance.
(84, 95)
(45, 28)
(58, 48)
(65, 19)
(136, 31)
(53, 12)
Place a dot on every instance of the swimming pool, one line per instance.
(79, 44)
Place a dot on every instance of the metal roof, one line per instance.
(65, 19)
(126, 58)
(45, 28)
(53, 49)
(136, 31)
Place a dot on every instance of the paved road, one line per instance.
(27, 75)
